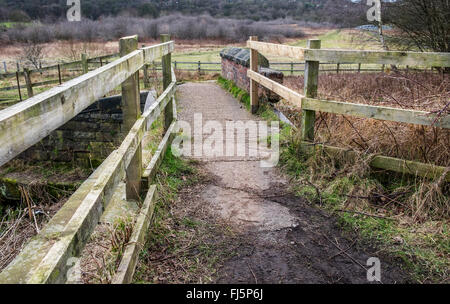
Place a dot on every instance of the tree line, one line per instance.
(330, 11)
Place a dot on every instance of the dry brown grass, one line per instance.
(421, 91)
(18, 225)
(103, 253)
(195, 76)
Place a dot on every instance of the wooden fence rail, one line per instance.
(22, 125)
(309, 103)
(98, 60)
(288, 68)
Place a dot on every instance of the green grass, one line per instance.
(204, 56)
(241, 95)
(11, 24)
(341, 39)
(424, 248)
(177, 237)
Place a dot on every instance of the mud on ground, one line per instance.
(259, 232)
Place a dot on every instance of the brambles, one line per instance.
(420, 91)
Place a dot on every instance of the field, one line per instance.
(186, 51)
(407, 217)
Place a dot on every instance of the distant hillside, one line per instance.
(343, 12)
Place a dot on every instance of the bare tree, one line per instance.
(421, 24)
(33, 53)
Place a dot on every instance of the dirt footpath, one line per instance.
(283, 239)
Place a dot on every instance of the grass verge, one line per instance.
(400, 215)
(376, 206)
(184, 245)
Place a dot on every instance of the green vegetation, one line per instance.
(203, 56)
(237, 92)
(373, 205)
(182, 246)
(344, 39)
(8, 24)
(377, 206)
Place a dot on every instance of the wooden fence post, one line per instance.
(18, 85)
(359, 67)
(254, 98)
(27, 75)
(199, 67)
(131, 107)
(311, 83)
(146, 78)
(84, 63)
(4, 65)
(292, 68)
(145, 72)
(337, 68)
(167, 80)
(59, 74)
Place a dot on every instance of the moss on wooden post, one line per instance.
(254, 100)
(311, 82)
(27, 75)
(146, 77)
(131, 108)
(167, 80)
(84, 63)
(18, 85)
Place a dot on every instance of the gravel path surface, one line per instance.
(285, 239)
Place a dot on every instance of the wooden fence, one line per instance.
(54, 74)
(292, 68)
(309, 103)
(44, 258)
(24, 82)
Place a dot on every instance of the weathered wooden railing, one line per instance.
(45, 258)
(309, 103)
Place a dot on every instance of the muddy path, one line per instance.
(281, 237)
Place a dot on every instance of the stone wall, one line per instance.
(236, 62)
(88, 138)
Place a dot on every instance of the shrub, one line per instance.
(179, 26)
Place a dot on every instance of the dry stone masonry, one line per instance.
(89, 137)
(236, 62)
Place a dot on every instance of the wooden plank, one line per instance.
(254, 98)
(146, 77)
(384, 162)
(379, 57)
(18, 87)
(29, 84)
(286, 93)
(131, 107)
(84, 63)
(127, 266)
(89, 202)
(264, 48)
(30, 257)
(62, 65)
(428, 59)
(311, 84)
(24, 124)
(376, 112)
(167, 79)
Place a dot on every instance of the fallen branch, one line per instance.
(348, 255)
